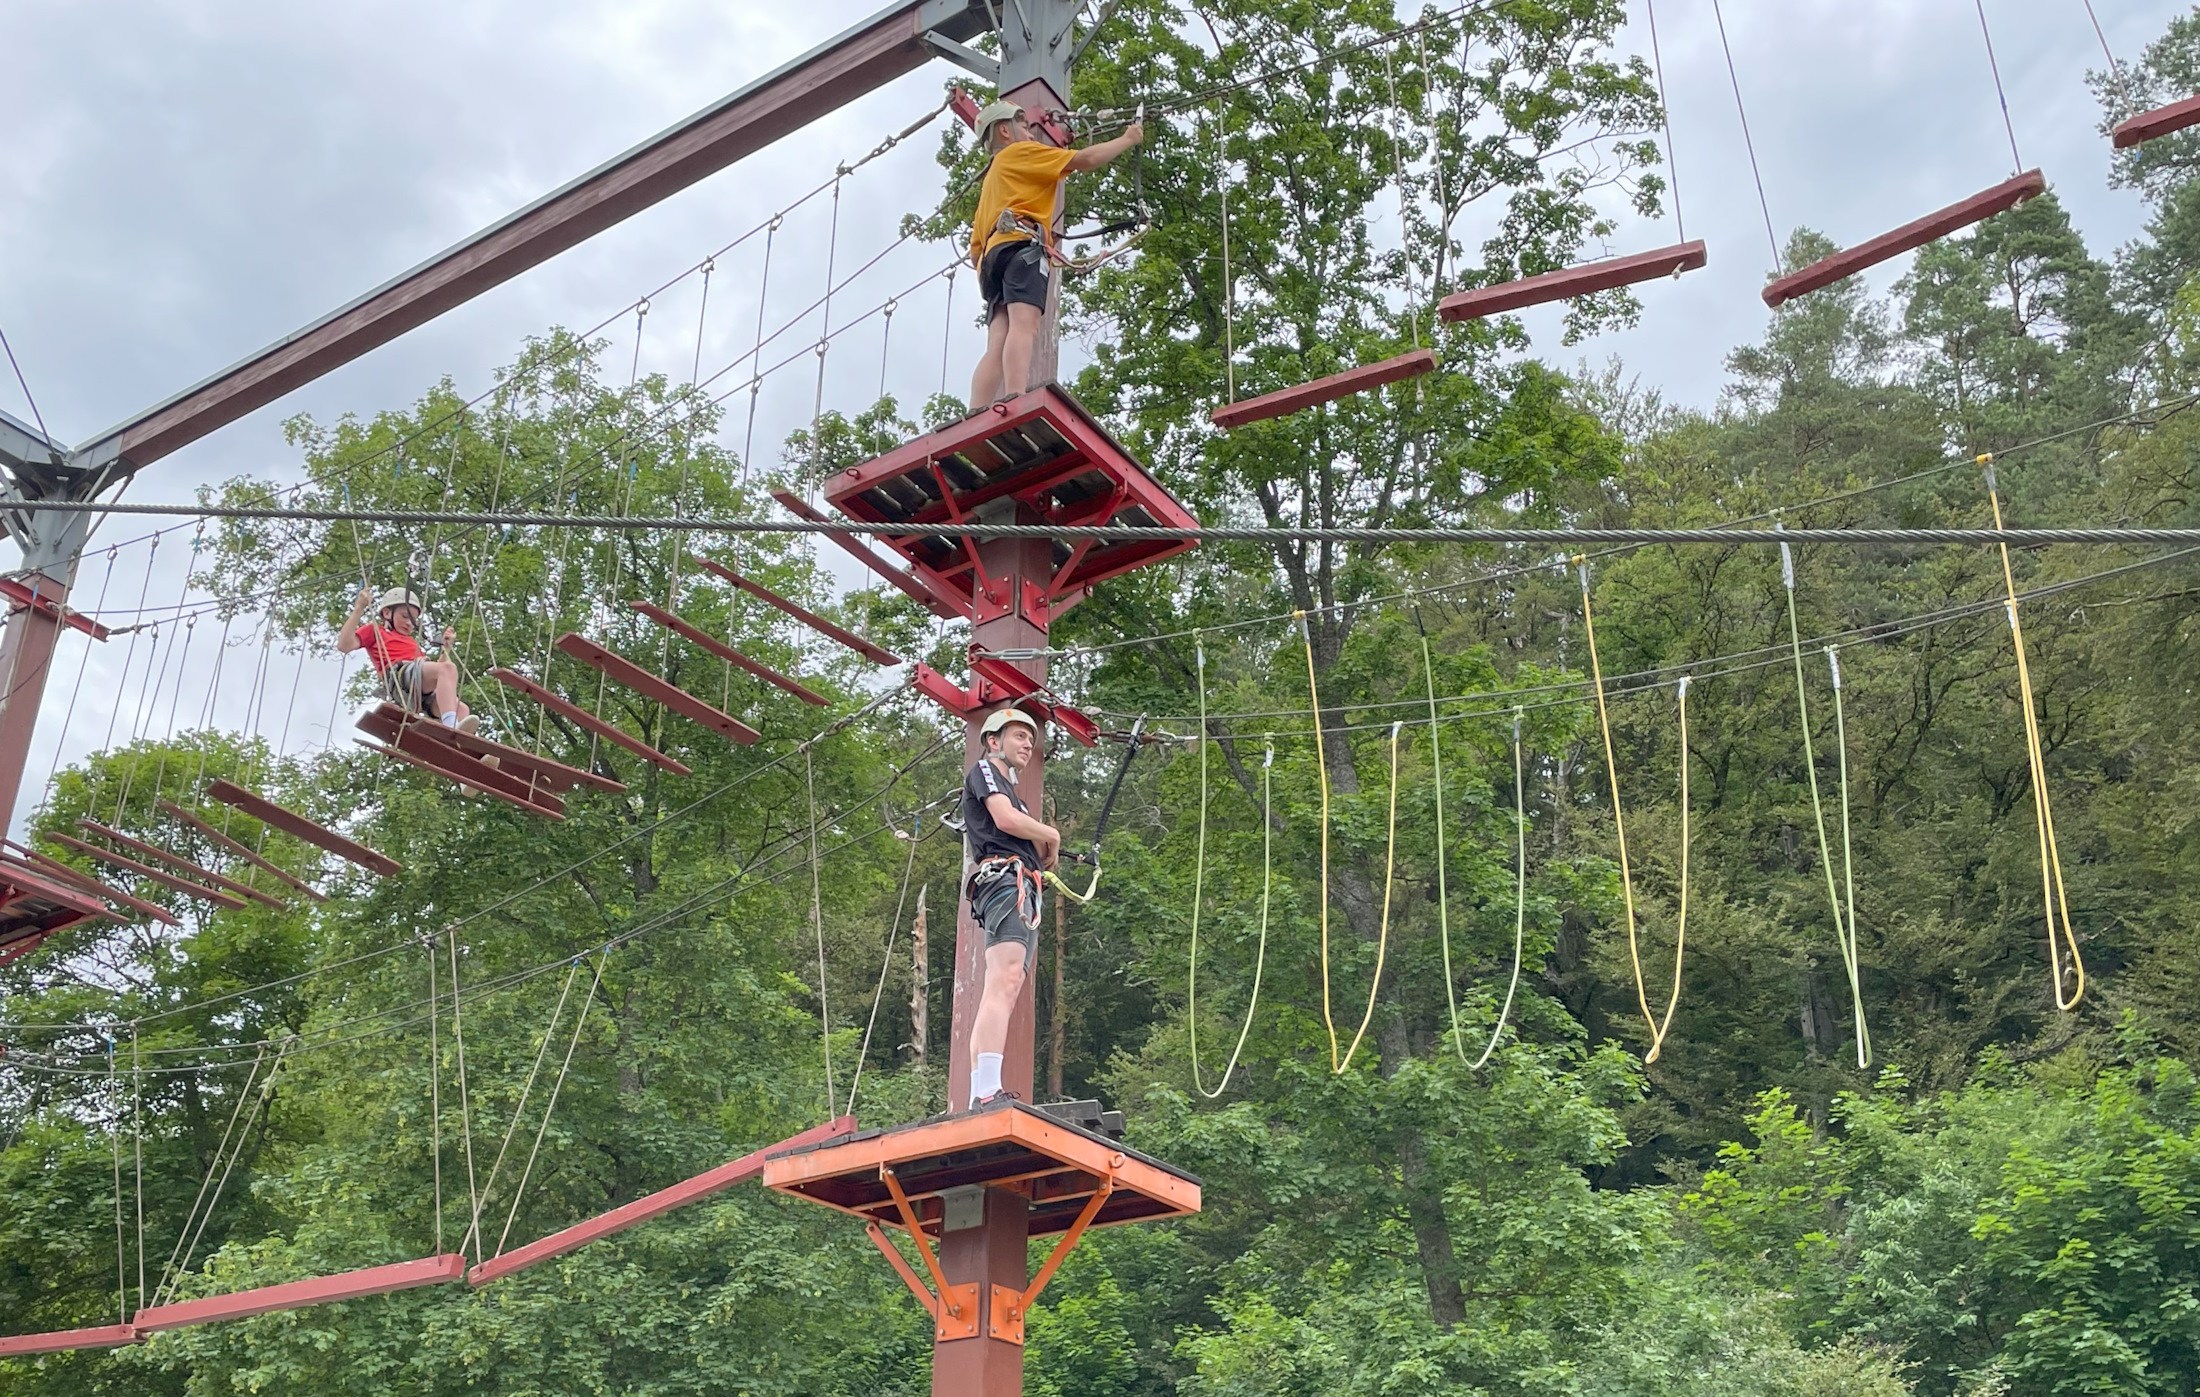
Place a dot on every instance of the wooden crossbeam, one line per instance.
(624, 671)
(435, 768)
(63, 1340)
(177, 861)
(296, 1295)
(1301, 396)
(725, 652)
(1568, 282)
(146, 870)
(240, 849)
(876, 654)
(582, 718)
(547, 775)
(2160, 122)
(298, 826)
(1915, 234)
(98, 889)
(424, 741)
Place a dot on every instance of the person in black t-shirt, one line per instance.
(1009, 848)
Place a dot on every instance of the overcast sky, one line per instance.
(185, 182)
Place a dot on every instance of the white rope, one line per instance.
(550, 1106)
(817, 921)
(527, 1089)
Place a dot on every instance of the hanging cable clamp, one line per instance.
(1581, 565)
(1680, 691)
(1833, 662)
(1986, 468)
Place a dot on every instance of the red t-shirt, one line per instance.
(386, 647)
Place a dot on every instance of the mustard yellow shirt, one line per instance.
(1023, 178)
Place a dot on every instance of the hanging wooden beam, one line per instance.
(657, 1204)
(641, 681)
(297, 1295)
(145, 870)
(876, 654)
(63, 1340)
(2160, 122)
(1847, 263)
(1299, 397)
(153, 851)
(436, 768)
(547, 775)
(299, 827)
(240, 849)
(725, 652)
(1568, 282)
(96, 888)
(582, 718)
(915, 586)
(424, 742)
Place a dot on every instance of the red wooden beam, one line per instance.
(581, 717)
(414, 759)
(98, 889)
(146, 870)
(1299, 397)
(876, 654)
(62, 1340)
(422, 745)
(915, 586)
(1849, 261)
(154, 851)
(295, 1295)
(863, 58)
(299, 827)
(657, 1204)
(240, 849)
(1568, 282)
(641, 681)
(24, 594)
(726, 652)
(2159, 122)
(547, 775)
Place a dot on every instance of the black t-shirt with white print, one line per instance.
(986, 840)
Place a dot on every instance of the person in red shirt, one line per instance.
(393, 648)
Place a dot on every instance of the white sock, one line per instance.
(985, 1078)
(450, 720)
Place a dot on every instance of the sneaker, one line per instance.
(999, 1098)
(468, 724)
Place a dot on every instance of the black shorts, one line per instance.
(998, 904)
(1013, 274)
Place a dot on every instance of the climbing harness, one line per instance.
(1844, 925)
(1199, 874)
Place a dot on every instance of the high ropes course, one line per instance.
(1001, 521)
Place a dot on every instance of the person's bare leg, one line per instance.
(441, 678)
(985, 384)
(1023, 341)
(1004, 980)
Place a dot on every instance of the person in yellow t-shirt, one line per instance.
(1009, 239)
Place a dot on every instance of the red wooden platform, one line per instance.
(294, 1295)
(416, 744)
(146, 870)
(177, 861)
(35, 904)
(240, 849)
(436, 766)
(299, 827)
(1044, 452)
(547, 775)
(62, 1340)
(876, 654)
(1568, 282)
(1849, 261)
(1301, 396)
(582, 718)
(653, 1205)
(624, 671)
(1056, 1165)
(2159, 122)
(698, 636)
(85, 882)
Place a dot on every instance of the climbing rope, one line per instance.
(550, 1106)
(1199, 873)
(465, 1097)
(893, 933)
(817, 921)
(1321, 769)
(1382, 935)
(527, 1089)
(1848, 849)
(1520, 898)
(1844, 927)
(114, 1134)
(435, 1090)
(1443, 891)
(2054, 895)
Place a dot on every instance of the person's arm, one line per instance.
(1016, 824)
(347, 635)
(1093, 157)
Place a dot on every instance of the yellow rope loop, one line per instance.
(1443, 891)
(1321, 768)
(1260, 955)
(2054, 896)
(1520, 901)
(1848, 857)
(1619, 823)
(1382, 935)
(1680, 931)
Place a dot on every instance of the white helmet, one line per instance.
(1001, 718)
(396, 597)
(994, 114)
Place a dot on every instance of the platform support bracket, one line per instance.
(954, 1307)
(1005, 1320)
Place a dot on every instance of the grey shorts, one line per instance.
(402, 683)
(999, 908)
(1013, 273)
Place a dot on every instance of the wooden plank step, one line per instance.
(63, 1340)
(1299, 397)
(915, 586)
(295, 1295)
(96, 888)
(581, 717)
(420, 740)
(1849, 261)
(876, 654)
(548, 775)
(146, 870)
(154, 851)
(723, 651)
(641, 681)
(2160, 122)
(1568, 282)
(299, 827)
(240, 849)
(433, 768)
